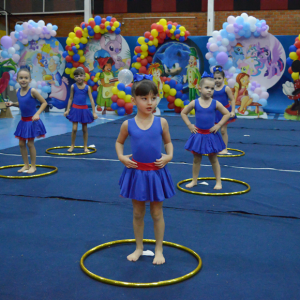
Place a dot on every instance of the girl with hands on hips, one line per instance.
(146, 176)
(205, 138)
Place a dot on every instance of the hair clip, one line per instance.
(218, 68)
(139, 77)
(206, 75)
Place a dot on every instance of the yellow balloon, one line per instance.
(77, 46)
(90, 19)
(106, 23)
(82, 59)
(97, 29)
(85, 33)
(72, 75)
(83, 40)
(68, 71)
(173, 92)
(73, 70)
(155, 42)
(102, 31)
(121, 94)
(72, 35)
(115, 90)
(181, 28)
(80, 52)
(87, 76)
(95, 79)
(182, 33)
(172, 30)
(71, 53)
(150, 43)
(116, 83)
(76, 40)
(137, 65)
(127, 98)
(295, 76)
(113, 28)
(172, 37)
(174, 27)
(141, 40)
(154, 32)
(69, 41)
(163, 22)
(166, 95)
(192, 112)
(293, 56)
(144, 48)
(142, 56)
(178, 102)
(116, 24)
(145, 54)
(77, 28)
(166, 88)
(165, 27)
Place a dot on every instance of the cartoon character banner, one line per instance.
(108, 56)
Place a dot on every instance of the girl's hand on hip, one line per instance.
(125, 159)
(160, 163)
(215, 128)
(192, 128)
(36, 117)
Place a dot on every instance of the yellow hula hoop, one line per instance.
(214, 194)
(70, 154)
(135, 284)
(54, 170)
(230, 155)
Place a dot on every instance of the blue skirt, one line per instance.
(146, 185)
(219, 116)
(205, 143)
(29, 130)
(80, 115)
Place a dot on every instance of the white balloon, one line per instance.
(252, 28)
(212, 40)
(47, 36)
(252, 20)
(53, 33)
(215, 34)
(245, 17)
(225, 42)
(255, 97)
(263, 89)
(125, 76)
(42, 36)
(231, 19)
(49, 27)
(35, 37)
(232, 70)
(208, 55)
(231, 82)
(33, 83)
(264, 33)
(38, 30)
(25, 25)
(24, 41)
(11, 50)
(230, 28)
(222, 49)
(16, 57)
(41, 23)
(219, 38)
(233, 43)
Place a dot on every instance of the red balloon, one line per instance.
(130, 84)
(168, 79)
(154, 26)
(111, 23)
(103, 20)
(97, 36)
(169, 22)
(177, 36)
(92, 77)
(86, 25)
(187, 33)
(160, 28)
(120, 102)
(167, 31)
(75, 64)
(69, 58)
(162, 35)
(169, 34)
(144, 62)
(151, 38)
(86, 70)
(297, 39)
(79, 33)
(102, 26)
(95, 87)
(297, 44)
(171, 106)
(138, 49)
(72, 44)
(143, 70)
(68, 48)
(171, 99)
(175, 24)
(160, 41)
(298, 52)
(138, 59)
(290, 70)
(114, 98)
(82, 23)
(177, 109)
(92, 23)
(149, 59)
(129, 112)
(128, 106)
(147, 34)
(113, 20)
(164, 78)
(81, 65)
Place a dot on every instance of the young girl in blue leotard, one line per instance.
(80, 111)
(146, 177)
(30, 126)
(205, 138)
(223, 93)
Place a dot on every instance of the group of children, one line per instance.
(145, 176)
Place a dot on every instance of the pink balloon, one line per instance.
(16, 57)
(257, 91)
(208, 55)
(231, 83)
(230, 28)
(264, 95)
(213, 47)
(231, 19)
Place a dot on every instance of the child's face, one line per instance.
(79, 78)
(107, 67)
(207, 89)
(218, 79)
(145, 104)
(24, 79)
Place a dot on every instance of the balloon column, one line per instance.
(147, 44)
(293, 61)
(77, 40)
(28, 31)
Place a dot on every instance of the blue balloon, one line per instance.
(186, 102)
(118, 30)
(240, 32)
(256, 34)
(83, 26)
(182, 39)
(258, 24)
(179, 95)
(134, 58)
(225, 25)
(17, 35)
(54, 27)
(133, 70)
(91, 82)
(169, 26)
(121, 111)
(228, 64)
(94, 94)
(4, 54)
(146, 40)
(185, 97)
(44, 88)
(89, 28)
(289, 61)
(121, 87)
(108, 27)
(148, 65)
(292, 48)
(239, 21)
(247, 34)
(93, 74)
(74, 48)
(177, 31)
(108, 18)
(152, 49)
(69, 65)
(139, 55)
(97, 20)
(212, 61)
(237, 70)
(246, 26)
(224, 33)
(91, 32)
(114, 106)
(127, 90)
(263, 102)
(179, 87)
(172, 83)
(231, 37)
(216, 53)
(219, 43)
(76, 57)
(65, 54)
(12, 83)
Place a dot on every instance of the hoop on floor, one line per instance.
(136, 284)
(54, 170)
(70, 154)
(214, 194)
(230, 155)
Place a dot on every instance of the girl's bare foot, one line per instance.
(218, 186)
(86, 150)
(135, 255)
(25, 168)
(158, 258)
(190, 185)
(71, 149)
(225, 151)
(31, 170)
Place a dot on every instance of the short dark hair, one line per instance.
(79, 71)
(144, 88)
(219, 70)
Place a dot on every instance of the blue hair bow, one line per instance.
(217, 68)
(139, 77)
(25, 67)
(206, 75)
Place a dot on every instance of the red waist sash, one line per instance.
(203, 131)
(26, 119)
(79, 106)
(227, 106)
(146, 166)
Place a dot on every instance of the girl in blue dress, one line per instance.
(146, 176)
(223, 93)
(205, 138)
(30, 126)
(80, 111)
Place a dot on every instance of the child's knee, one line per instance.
(156, 213)
(22, 143)
(138, 214)
(30, 144)
(197, 159)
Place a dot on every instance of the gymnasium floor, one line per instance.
(249, 243)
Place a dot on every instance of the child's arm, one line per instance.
(10, 103)
(232, 100)
(165, 158)
(106, 84)
(226, 115)
(70, 101)
(92, 103)
(120, 147)
(185, 118)
(35, 94)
